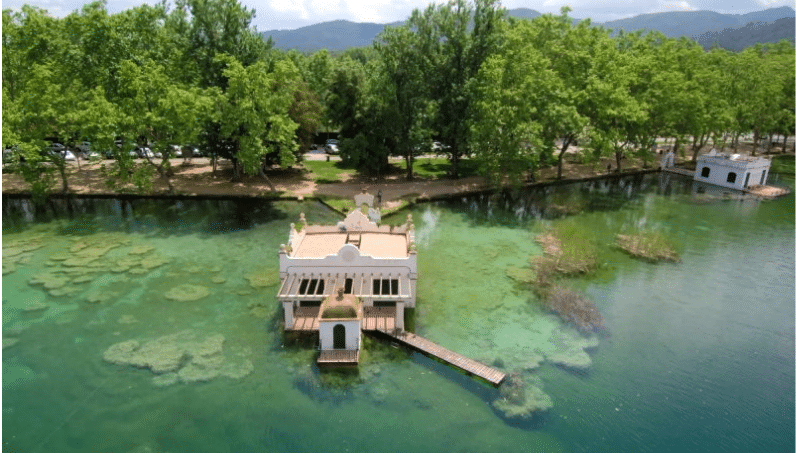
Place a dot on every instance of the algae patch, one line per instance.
(187, 356)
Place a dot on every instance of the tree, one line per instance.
(402, 65)
(455, 39)
(616, 117)
(253, 114)
(509, 94)
(214, 27)
(161, 113)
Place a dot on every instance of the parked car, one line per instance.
(331, 146)
(57, 149)
(439, 147)
(85, 151)
(84, 147)
(142, 152)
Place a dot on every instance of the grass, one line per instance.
(324, 172)
(784, 163)
(438, 167)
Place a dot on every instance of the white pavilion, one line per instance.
(341, 279)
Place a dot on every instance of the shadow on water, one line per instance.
(159, 217)
(514, 208)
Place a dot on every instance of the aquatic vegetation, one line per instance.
(568, 248)
(187, 292)
(140, 249)
(572, 349)
(186, 356)
(521, 275)
(575, 308)
(264, 277)
(520, 399)
(650, 246)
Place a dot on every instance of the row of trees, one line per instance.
(514, 94)
(152, 75)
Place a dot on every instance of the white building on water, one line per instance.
(732, 170)
(341, 279)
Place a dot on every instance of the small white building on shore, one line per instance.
(340, 279)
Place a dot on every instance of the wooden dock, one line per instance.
(491, 375)
(679, 171)
(339, 357)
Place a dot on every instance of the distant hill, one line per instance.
(336, 36)
(340, 35)
(750, 34)
(696, 23)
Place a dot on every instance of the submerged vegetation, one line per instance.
(567, 252)
(650, 246)
(575, 308)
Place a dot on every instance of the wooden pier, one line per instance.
(491, 375)
(679, 171)
(339, 357)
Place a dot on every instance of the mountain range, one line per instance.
(704, 26)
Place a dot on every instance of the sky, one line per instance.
(292, 14)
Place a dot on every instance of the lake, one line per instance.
(696, 356)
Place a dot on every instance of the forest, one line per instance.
(511, 94)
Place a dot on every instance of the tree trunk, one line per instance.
(455, 157)
(262, 173)
(696, 147)
(63, 172)
(618, 155)
(755, 142)
(566, 142)
(409, 161)
(235, 177)
(783, 149)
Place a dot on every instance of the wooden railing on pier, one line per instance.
(339, 357)
(491, 375)
(379, 318)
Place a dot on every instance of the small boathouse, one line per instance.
(733, 171)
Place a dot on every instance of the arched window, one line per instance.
(731, 177)
(339, 336)
(705, 172)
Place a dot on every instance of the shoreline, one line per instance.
(396, 203)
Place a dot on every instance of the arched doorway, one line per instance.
(339, 336)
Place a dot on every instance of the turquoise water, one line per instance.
(697, 356)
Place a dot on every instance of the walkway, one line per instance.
(491, 375)
(679, 171)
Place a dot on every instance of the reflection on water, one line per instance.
(699, 355)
